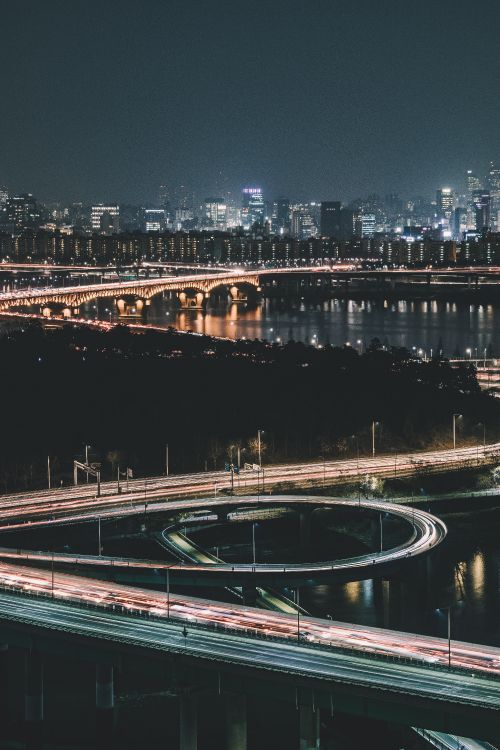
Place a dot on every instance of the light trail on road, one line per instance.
(80, 502)
(112, 597)
(427, 533)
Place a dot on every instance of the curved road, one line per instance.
(427, 533)
(80, 502)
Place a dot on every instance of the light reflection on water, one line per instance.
(425, 323)
(468, 581)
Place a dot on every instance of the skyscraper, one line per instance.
(280, 217)
(473, 183)
(252, 211)
(330, 219)
(482, 205)
(444, 201)
(216, 213)
(154, 219)
(494, 186)
(105, 219)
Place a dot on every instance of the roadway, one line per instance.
(426, 532)
(476, 664)
(80, 502)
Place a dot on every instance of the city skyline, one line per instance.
(315, 102)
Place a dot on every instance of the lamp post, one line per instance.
(297, 602)
(253, 541)
(374, 424)
(454, 419)
(259, 432)
(448, 610)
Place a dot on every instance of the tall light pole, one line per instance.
(166, 458)
(48, 471)
(87, 460)
(297, 601)
(168, 592)
(259, 447)
(253, 541)
(455, 416)
(374, 424)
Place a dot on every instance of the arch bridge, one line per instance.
(193, 291)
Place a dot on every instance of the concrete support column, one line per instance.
(4, 682)
(308, 728)
(33, 699)
(188, 722)
(105, 703)
(236, 722)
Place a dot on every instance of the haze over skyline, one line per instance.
(328, 100)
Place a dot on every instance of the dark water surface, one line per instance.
(420, 324)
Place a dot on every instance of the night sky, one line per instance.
(320, 99)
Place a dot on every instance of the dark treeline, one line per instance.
(128, 394)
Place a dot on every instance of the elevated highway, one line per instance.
(371, 671)
(350, 668)
(81, 502)
(425, 533)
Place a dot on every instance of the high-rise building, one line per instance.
(473, 183)
(346, 224)
(105, 219)
(280, 216)
(253, 209)
(444, 200)
(23, 211)
(330, 219)
(494, 186)
(164, 197)
(4, 195)
(368, 224)
(482, 205)
(460, 222)
(216, 213)
(154, 219)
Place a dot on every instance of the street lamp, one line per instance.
(259, 433)
(448, 610)
(454, 421)
(483, 425)
(374, 424)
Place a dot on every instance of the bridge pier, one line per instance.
(33, 699)
(105, 703)
(191, 300)
(4, 683)
(131, 308)
(188, 722)
(309, 735)
(236, 722)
